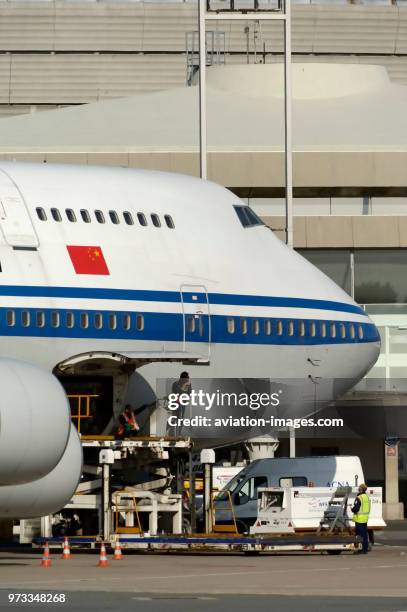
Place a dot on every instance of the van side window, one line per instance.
(248, 490)
(293, 481)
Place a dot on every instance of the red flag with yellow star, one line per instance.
(87, 259)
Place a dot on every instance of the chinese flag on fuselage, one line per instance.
(87, 259)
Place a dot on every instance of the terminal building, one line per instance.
(118, 83)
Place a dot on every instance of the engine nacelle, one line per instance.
(35, 423)
(48, 494)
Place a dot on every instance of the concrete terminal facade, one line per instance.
(350, 138)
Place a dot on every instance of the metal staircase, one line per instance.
(334, 518)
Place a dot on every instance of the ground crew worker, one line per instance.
(182, 386)
(361, 511)
(127, 422)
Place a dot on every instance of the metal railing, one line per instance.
(80, 402)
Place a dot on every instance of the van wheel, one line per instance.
(251, 553)
(334, 552)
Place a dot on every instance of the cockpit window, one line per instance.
(247, 216)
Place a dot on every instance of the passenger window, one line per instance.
(41, 214)
(302, 328)
(279, 328)
(11, 318)
(56, 215)
(191, 325)
(342, 330)
(85, 215)
(291, 328)
(55, 320)
(267, 327)
(360, 332)
(112, 321)
(70, 320)
(98, 320)
(40, 318)
(84, 320)
(293, 481)
(140, 322)
(114, 218)
(256, 327)
(333, 330)
(100, 217)
(312, 329)
(142, 219)
(126, 322)
(169, 221)
(128, 218)
(352, 331)
(231, 326)
(70, 215)
(156, 220)
(243, 326)
(323, 330)
(25, 318)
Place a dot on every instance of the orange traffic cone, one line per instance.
(66, 553)
(102, 557)
(117, 552)
(46, 559)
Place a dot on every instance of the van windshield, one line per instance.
(231, 486)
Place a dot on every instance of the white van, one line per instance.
(329, 471)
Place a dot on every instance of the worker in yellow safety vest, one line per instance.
(361, 511)
(127, 423)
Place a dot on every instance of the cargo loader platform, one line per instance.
(304, 542)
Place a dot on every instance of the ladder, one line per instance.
(335, 515)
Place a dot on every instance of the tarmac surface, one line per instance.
(219, 582)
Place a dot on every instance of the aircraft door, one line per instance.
(196, 319)
(15, 221)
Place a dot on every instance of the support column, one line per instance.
(106, 460)
(393, 509)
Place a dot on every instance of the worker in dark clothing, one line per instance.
(128, 425)
(361, 511)
(181, 386)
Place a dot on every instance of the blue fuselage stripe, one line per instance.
(170, 327)
(175, 297)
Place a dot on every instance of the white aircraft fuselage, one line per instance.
(102, 261)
